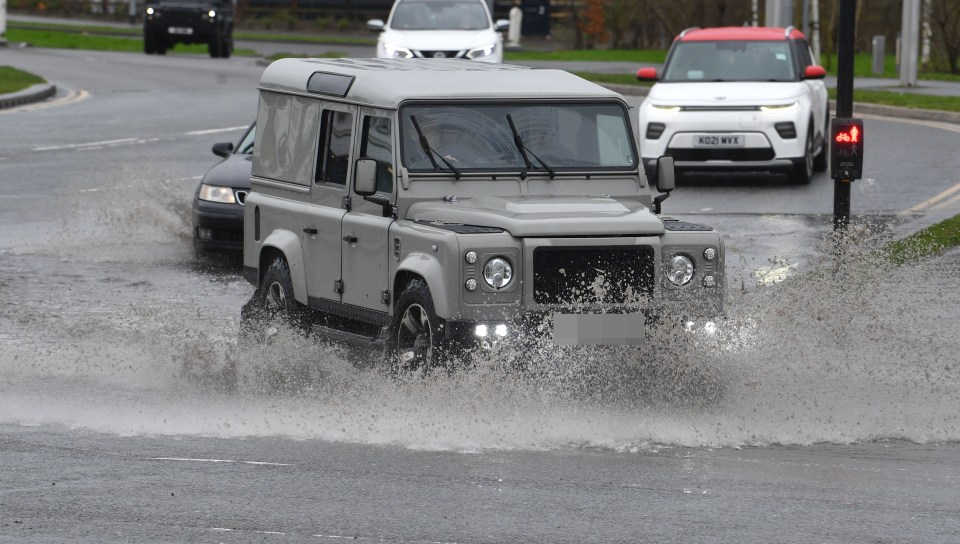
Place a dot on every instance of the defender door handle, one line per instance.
(350, 239)
(310, 230)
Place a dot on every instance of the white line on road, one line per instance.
(215, 130)
(88, 144)
(187, 459)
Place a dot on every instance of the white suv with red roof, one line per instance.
(737, 98)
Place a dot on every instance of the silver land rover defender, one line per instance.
(438, 205)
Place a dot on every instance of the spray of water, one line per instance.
(848, 349)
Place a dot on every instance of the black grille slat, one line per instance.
(591, 275)
(757, 154)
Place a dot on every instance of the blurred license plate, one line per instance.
(718, 140)
(180, 30)
(597, 329)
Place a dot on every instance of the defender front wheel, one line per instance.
(416, 333)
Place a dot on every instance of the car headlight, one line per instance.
(781, 108)
(212, 14)
(679, 270)
(215, 193)
(396, 52)
(665, 108)
(498, 272)
(480, 52)
(151, 11)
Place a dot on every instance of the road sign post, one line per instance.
(845, 153)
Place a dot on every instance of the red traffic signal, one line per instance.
(846, 148)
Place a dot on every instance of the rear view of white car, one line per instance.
(737, 98)
(440, 29)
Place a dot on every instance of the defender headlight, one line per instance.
(212, 14)
(498, 272)
(679, 270)
(483, 51)
(781, 108)
(396, 52)
(215, 193)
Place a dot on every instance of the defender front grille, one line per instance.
(591, 275)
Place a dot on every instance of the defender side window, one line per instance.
(336, 129)
(377, 143)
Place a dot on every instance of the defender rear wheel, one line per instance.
(273, 301)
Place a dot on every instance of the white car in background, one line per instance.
(440, 29)
(737, 98)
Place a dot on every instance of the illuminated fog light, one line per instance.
(679, 270)
(709, 281)
(471, 257)
(498, 273)
(481, 330)
(500, 330)
(710, 254)
(471, 284)
(205, 234)
(211, 14)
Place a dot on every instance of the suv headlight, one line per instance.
(215, 193)
(665, 108)
(781, 108)
(498, 272)
(679, 270)
(212, 14)
(396, 52)
(480, 52)
(153, 11)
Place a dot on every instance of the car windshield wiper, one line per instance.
(425, 145)
(523, 149)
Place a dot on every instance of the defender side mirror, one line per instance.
(223, 149)
(365, 177)
(666, 180)
(375, 25)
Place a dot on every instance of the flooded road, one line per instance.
(825, 408)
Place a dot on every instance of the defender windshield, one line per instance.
(447, 15)
(730, 61)
(553, 136)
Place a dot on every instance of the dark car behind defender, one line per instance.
(218, 200)
(169, 22)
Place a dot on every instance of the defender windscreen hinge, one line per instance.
(338, 287)
(346, 202)
(385, 296)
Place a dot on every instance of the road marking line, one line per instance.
(257, 463)
(932, 202)
(215, 130)
(71, 96)
(922, 122)
(949, 204)
(89, 144)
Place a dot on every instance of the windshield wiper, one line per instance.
(523, 149)
(425, 145)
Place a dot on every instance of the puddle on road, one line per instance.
(148, 345)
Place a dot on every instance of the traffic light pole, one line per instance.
(841, 187)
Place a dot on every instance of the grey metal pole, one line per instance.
(841, 187)
(909, 42)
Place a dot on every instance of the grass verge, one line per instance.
(71, 40)
(905, 100)
(928, 242)
(13, 80)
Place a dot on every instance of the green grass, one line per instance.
(863, 67)
(904, 100)
(930, 241)
(13, 80)
(69, 40)
(590, 55)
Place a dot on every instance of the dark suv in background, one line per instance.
(169, 22)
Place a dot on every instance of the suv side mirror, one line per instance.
(666, 180)
(375, 25)
(365, 177)
(647, 74)
(223, 149)
(666, 175)
(814, 72)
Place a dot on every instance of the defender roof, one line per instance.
(740, 33)
(388, 82)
